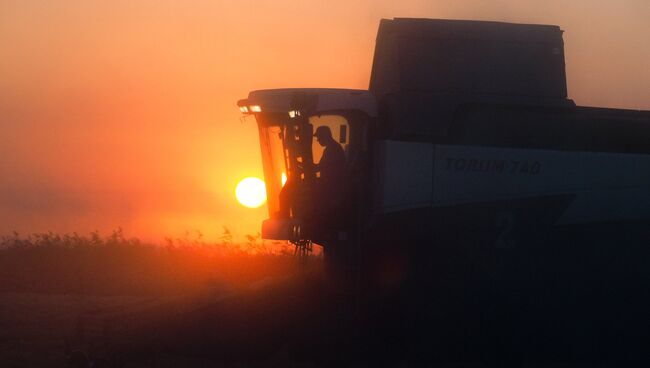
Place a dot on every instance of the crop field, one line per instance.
(117, 302)
(108, 301)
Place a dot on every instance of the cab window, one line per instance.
(340, 132)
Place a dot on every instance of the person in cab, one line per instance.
(332, 173)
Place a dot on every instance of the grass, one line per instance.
(115, 265)
(116, 298)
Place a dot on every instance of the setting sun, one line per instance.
(251, 192)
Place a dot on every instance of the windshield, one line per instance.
(274, 163)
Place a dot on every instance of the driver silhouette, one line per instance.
(330, 187)
(332, 164)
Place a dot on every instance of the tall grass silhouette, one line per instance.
(113, 264)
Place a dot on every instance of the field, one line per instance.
(120, 302)
(71, 300)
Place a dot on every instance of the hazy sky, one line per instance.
(122, 113)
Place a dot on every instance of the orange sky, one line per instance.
(122, 113)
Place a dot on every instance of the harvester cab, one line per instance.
(302, 206)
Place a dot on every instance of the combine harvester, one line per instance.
(470, 176)
(468, 171)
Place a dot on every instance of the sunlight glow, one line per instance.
(284, 178)
(251, 192)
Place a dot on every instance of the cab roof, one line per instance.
(311, 100)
